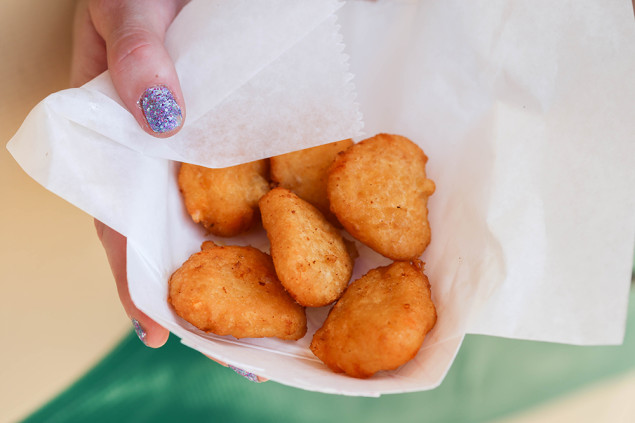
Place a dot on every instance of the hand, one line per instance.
(148, 331)
(126, 37)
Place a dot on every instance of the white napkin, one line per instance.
(525, 110)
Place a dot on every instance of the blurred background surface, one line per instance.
(61, 315)
(60, 312)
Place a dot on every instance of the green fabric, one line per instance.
(490, 378)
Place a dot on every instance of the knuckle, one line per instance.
(130, 43)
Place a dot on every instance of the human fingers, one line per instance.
(141, 69)
(247, 375)
(149, 332)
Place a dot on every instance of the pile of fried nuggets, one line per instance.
(376, 190)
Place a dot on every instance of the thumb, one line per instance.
(141, 69)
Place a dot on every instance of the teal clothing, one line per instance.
(491, 377)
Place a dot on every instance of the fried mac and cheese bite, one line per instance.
(309, 254)
(378, 190)
(305, 172)
(233, 290)
(224, 201)
(379, 323)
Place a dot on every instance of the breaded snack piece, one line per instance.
(232, 290)
(379, 192)
(224, 201)
(379, 323)
(309, 255)
(305, 173)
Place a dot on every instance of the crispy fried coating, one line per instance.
(224, 201)
(379, 323)
(232, 290)
(305, 173)
(379, 191)
(309, 255)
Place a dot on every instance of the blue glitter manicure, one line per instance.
(139, 331)
(249, 376)
(161, 109)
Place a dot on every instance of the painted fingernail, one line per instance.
(249, 376)
(139, 331)
(161, 109)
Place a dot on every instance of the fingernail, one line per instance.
(139, 331)
(161, 109)
(249, 376)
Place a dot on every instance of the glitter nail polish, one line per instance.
(249, 376)
(160, 109)
(139, 331)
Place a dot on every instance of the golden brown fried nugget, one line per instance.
(309, 254)
(379, 323)
(224, 201)
(305, 173)
(379, 192)
(234, 290)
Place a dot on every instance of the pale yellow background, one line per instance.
(60, 311)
